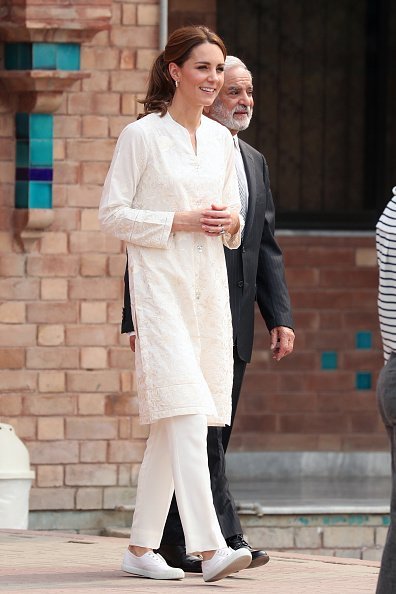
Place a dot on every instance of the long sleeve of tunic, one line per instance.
(178, 281)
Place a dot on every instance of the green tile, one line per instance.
(21, 194)
(41, 126)
(363, 380)
(329, 360)
(22, 153)
(22, 125)
(68, 56)
(40, 153)
(40, 195)
(363, 340)
(18, 56)
(44, 56)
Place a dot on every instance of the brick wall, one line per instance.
(67, 382)
(322, 397)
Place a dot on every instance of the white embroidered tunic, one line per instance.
(178, 281)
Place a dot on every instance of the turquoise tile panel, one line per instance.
(68, 56)
(40, 194)
(22, 125)
(21, 194)
(364, 340)
(363, 380)
(44, 56)
(329, 360)
(18, 56)
(22, 153)
(41, 126)
(40, 153)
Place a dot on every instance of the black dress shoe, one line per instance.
(175, 556)
(258, 557)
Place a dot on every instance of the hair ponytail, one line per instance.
(161, 86)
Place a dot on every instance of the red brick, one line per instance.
(50, 428)
(52, 313)
(51, 335)
(93, 451)
(356, 278)
(89, 498)
(50, 404)
(10, 404)
(18, 380)
(87, 196)
(128, 104)
(92, 381)
(99, 58)
(67, 126)
(12, 264)
(94, 358)
(12, 313)
(49, 476)
(121, 358)
(52, 381)
(91, 428)
(50, 358)
(313, 423)
(91, 474)
(118, 123)
(67, 172)
(99, 81)
(24, 427)
(93, 312)
(53, 243)
(126, 451)
(12, 358)
(134, 81)
(92, 103)
(56, 498)
(53, 452)
(91, 404)
(95, 126)
(363, 422)
(49, 265)
(89, 219)
(128, 14)
(91, 288)
(91, 335)
(93, 265)
(66, 219)
(127, 59)
(121, 404)
(143, 36)
(19, 289)
(54, 289)
(94, 173)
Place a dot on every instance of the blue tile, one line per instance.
(364, 340)
(22, 125)
(329, 360)
(21, 194)
(40, 174)
(41, 126)
(40, 194)
(363, 380)
(22, 153)
(44, 56)
(68, 56)
(18, 56)
(22, 174)
(41, 153)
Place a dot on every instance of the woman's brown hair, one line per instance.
(161, 87)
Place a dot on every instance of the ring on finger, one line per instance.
(222, 231)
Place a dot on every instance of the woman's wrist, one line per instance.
(234, 227)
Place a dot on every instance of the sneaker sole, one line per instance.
(259, 561)
(177, 574)
(237, 564)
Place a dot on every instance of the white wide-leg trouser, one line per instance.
(176, 459)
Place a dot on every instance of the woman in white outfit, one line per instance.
(171, 193)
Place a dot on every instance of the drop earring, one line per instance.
(176, 83)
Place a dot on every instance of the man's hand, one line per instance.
(282, 341)
(132, 342)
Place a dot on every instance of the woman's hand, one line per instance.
(213, 221)
(219, 220)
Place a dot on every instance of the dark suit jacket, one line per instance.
(255, 269)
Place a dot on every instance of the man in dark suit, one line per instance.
(255, 273)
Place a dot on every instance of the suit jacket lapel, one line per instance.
(251, 181)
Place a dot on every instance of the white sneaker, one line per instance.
(150, 565)
(224, 562)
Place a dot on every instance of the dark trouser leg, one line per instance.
(218, 438)
(386, 391)
(239, 372)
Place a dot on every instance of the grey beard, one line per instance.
(226, 118)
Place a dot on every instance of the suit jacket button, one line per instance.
(240, 283)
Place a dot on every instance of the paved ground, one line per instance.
(54, 563)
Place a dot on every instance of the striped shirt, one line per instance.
(386, 254)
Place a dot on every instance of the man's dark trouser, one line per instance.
(218, 438)
(386, 393)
